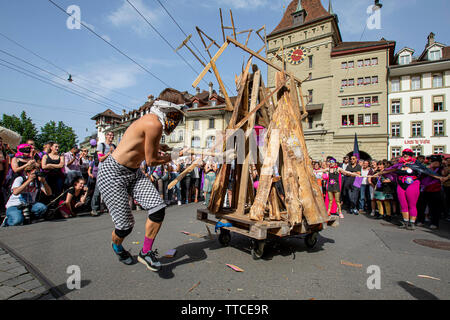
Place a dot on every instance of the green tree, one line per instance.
(59, 133)
(23, 125)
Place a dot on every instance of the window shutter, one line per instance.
(416, 104)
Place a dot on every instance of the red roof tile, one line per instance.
(314, 11)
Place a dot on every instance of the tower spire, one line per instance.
(330, 8)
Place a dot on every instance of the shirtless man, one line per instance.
(119, 176)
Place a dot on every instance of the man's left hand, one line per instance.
(164, 148)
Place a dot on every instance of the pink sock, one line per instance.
(148, 244)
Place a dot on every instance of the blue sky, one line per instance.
(41, 27)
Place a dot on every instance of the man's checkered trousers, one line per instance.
(117, 183)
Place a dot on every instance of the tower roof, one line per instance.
(314, 11)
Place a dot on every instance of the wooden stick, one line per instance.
(221, 23)
(222, 87)
(232, 23)
(208, 66)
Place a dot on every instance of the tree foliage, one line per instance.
(23, 125)
(51, 131)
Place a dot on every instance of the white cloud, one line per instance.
(126, 16)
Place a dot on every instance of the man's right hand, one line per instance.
(31, 177)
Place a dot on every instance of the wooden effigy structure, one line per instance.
(301, 208)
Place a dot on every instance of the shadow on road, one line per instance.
(416, 292)
(60, 292)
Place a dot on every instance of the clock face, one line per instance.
(296, 55)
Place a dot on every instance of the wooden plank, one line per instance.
(208, 66)
(221, 24)
(232, 23)
(242, 199)
(265, 181)
(275, 212)
(222, 87)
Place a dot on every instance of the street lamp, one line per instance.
(378, 4)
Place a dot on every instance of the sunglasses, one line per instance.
(25, 150)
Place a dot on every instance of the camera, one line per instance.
(26, 211)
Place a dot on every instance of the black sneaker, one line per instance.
(403, 225)
(150, 260)
(124, 257)
(411, 226)
(388, 218)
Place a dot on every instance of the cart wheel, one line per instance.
(311, 240)
(225, 237)
(258, 249)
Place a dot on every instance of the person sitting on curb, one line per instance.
(24, 194)
(75, 199)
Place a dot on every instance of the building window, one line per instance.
(344, 65)
(310, 96)
(213, 103)
(396, 152)
(416, 129)
(367, 81)
(367, 119)
(415, 83)
(360, 63)
(395, 130)
(351, 65)
(375, 99)
(395, 107)
(375, 80)
(195, 142)
(360, 100)
(344, 102)
(374, 61)
(310, 62)
(395, 85)
(351, 101)
(437, 80)
(417, 151)
(367, 102)
(343, 83)
(344, 121)
(438, 103)
(180, 136)
(211, 124)
(351, 82)
(416, 105)
(163, 139)
(360, 81)
(210, 142)
(435, 55)
(196, 124)
(438, 149)
(360, 119)
(438, 128)
(195, 105)
(351, 120)
(406, 59)
(367, 63)
(310, 122)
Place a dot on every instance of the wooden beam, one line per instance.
(221, 24)
(232, 23)
(208, 66)
(222, 87)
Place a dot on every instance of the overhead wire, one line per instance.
(55, 75)
(52, 83)
(62, 69)
(113, 46)
(70, 110)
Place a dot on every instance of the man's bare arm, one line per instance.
(153, 133)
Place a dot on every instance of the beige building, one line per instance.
(345, 83)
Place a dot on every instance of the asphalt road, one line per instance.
(198, 271)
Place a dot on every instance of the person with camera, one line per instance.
(75, 199)
(73, 166)
(22, 204)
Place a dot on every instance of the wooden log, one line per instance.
(250, 127)
(275, 212)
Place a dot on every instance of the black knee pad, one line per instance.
(123, 233)
(158, 216)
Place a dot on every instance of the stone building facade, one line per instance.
(345, 85)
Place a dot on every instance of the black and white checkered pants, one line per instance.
(116, 183)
